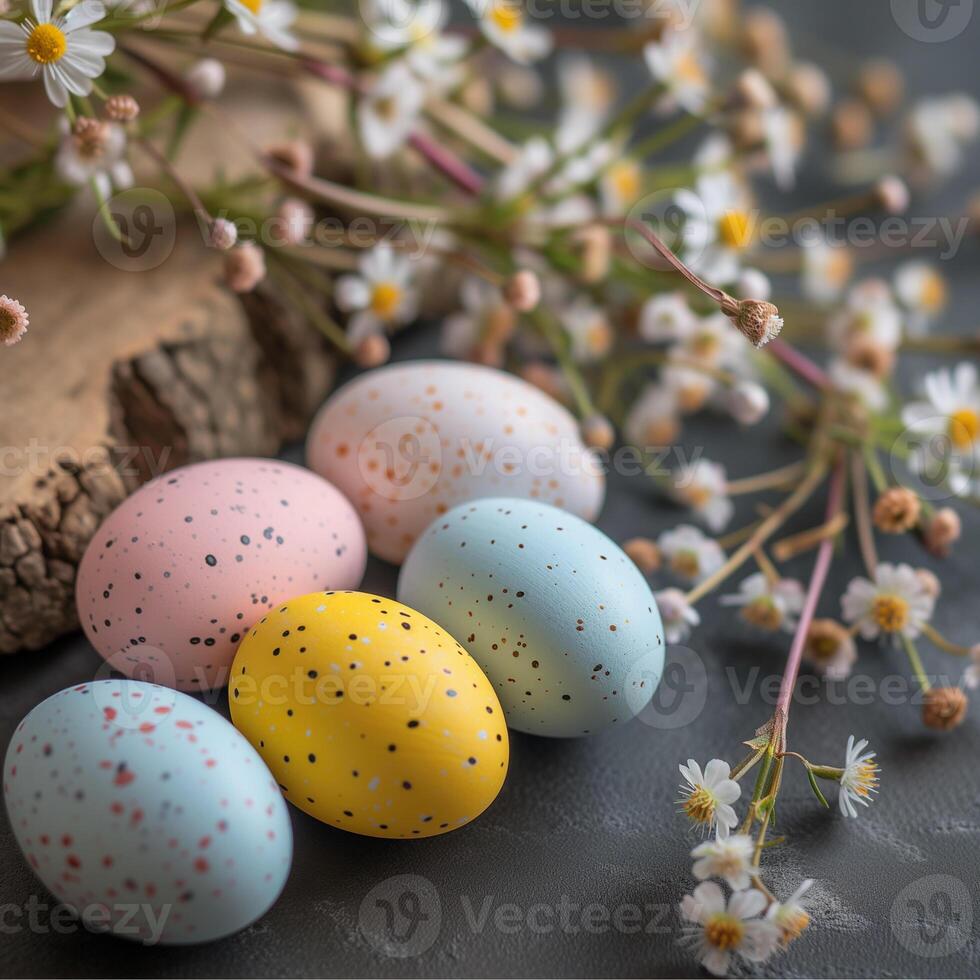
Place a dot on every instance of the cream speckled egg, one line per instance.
(146, 812)
(558, 617)
(372, 717)
(177, 573)
(409, 441)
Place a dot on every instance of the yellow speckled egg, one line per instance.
(371, 717)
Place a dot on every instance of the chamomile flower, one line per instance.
(486, 317)
(587, 95)
(830, 649)
(620, 186)
(718, 226)
(666, 317)
(721, 931)
(689, 553)
(859, 778)
(67, 52)
(948, 424)
(827, 269)
(381, 296)
(790, 917)
(703, 486)
(729, 858)
(505, 25)
(863, 385)
(531, 162)
(768, 605)
(94, 150)
(922, 290)
(677, 615)
(676, 63)
(896, 603)
(653, 420)
(869, 314)
(270, 18)
(784, 134)
(707, 797)
(387, 112)
(937, 131)
(588, 329)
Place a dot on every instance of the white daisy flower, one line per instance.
(947, 425)
(721, 930)
(718, 226)
(703, 486)
(922, 290)
(869, 314)
(707, 797)
(790, 917)
(587, 95)
(653, 419)
(691, 388)
(675, 62)
(747, 401)
(863, 385)
(388, 111)
(533, 160)
(504, 24)
(620, 186)
(270, 18)
(827, 269)
(381, 296)
(937, 131)
(485, 316)
(712, 341)
(588, 329)
(65, 50)
(729, 858)
(666, 317)
(859, 779)
(830, 649)
(677, 615)
(785, 136)
(769, 605)
(94, 150)
(690, 554)
(896, 602)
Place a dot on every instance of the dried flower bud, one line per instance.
(942, 530)
(206, 78)
(499, 324)
(13, 321)
(881, 84)
(296, 217)
(944, 708)
(598, 432)
(122, 108)
(372, 351)
(594, 244)
(523, 290)
(244, 267)
(295, 155)
(748, 402)
(757, 320)
(752, 90)
(808, 88)
(644, 553)
(90, 137)
(867, 354)
(223, 234)
(746, 128)
(891, 194)
(851, 125)
(929, 581)
(896, 510)
(764, 40)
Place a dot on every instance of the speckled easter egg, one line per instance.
(146, 812)
(555, 613)
(178, 572)
(372, 717)
(409, 441)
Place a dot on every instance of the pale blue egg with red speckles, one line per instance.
(147, 812)
(556, 614)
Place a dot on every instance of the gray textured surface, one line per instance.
(593, 821)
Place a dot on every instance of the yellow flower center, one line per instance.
(792, 922)
(724, 931)
(688, 69)
(507, 16)
(46, 44)
(253, 5)
(964, 427)
(839, 267)
(763, 613)
(734, 229)
(700, 806)
(823, 648)
(891, 613)
(625, 179)
(685, 564)
(705, 345)
(385, 299)
(933, 297)
(865, 777)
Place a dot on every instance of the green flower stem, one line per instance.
(947, 646)
(916, 663)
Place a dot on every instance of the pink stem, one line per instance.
(333, 74)
(817, 579)
(798, 363)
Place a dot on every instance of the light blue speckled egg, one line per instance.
(147, 812)
(555, 613)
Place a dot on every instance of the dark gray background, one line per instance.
(595, 820)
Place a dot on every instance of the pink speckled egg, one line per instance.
(181, 569)
(409, 441)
